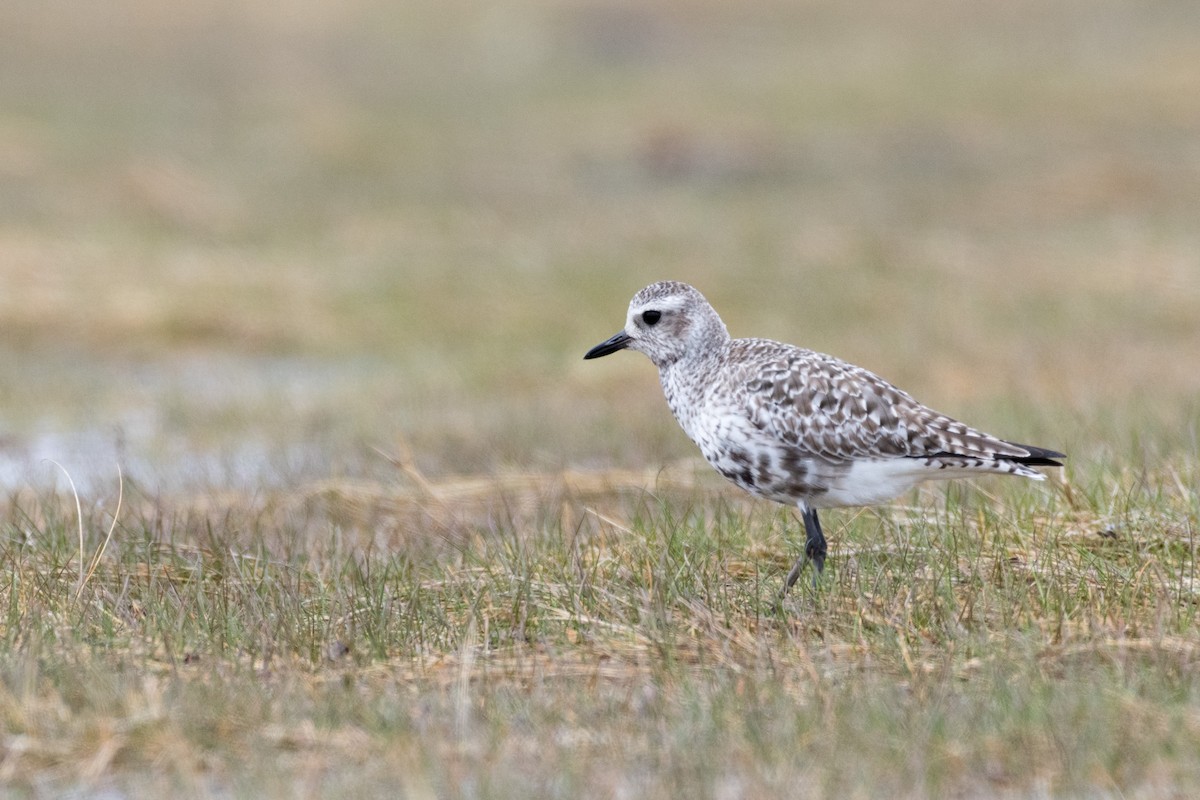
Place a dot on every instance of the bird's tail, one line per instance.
(1038, 456)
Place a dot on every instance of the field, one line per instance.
(307, 490)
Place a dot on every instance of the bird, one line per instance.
(799, 427)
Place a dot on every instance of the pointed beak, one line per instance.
(618, 342)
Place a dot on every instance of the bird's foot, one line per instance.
(813, 551)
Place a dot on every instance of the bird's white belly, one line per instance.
(866, 483)
(787, 474)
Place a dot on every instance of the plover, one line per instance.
(799, 427)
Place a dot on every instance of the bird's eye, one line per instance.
(651, 317)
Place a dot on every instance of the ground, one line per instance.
(298, 299)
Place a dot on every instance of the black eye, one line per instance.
(651, 317)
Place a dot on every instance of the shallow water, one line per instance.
(201, 422)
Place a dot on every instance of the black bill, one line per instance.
(618, 342)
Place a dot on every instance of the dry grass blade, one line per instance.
(78, 520)
(99, 554)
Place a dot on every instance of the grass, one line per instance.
(569, 635)
(320, 284)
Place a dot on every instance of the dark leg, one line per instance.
(814, 545)
(814, 548)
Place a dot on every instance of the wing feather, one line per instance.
(840, 412)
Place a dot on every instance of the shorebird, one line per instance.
(798, 427)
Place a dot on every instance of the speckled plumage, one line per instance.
(796, 426)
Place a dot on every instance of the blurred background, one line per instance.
(250, 244)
